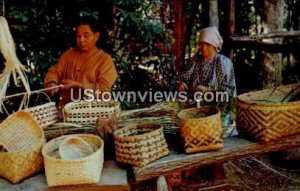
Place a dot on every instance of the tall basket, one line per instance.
(201, 129)
(269, 114)
(21, 139)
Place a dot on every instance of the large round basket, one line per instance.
(83, 170)
(21, 139)
(201, 129)
(88, 112)
(269, 114)
(140, 144)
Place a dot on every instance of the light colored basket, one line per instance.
(84, 170)
(88, 112)
(45, 114)
(201, 129)
(263, 116)
(74, 148)
(22, 138)
(140, 144)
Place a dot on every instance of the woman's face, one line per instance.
(208, 51)
(85, 38)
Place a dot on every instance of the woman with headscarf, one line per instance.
(208, 70)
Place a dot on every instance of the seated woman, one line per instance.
(208, 70)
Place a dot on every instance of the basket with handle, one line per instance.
(269, 114)
(140, 144)
(22, 139)
(45, 114)
(200, 129)
(83, 169)
(88, 112)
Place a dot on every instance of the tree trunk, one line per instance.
(271, 63)
(213, 13)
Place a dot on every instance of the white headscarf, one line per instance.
(211, 36)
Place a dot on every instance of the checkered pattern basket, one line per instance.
(140, 144)
(22, 139)
(269, 114)
(45, 114)
(201, 129)
(88, 112)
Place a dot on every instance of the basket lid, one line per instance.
(74, 148)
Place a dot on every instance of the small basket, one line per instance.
(201, 129)
(22, 138)
(45, 114)
(269, 114)
(88, 112)
(84, 170)
(140, 144)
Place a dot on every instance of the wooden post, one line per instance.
(213, 13)
(231, 25)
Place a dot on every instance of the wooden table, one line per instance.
(112, 178)
(234, 148)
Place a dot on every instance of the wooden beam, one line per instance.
(288, 34)
(234, 148)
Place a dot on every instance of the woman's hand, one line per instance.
(68, 84)
(52, 91)
(201, 88)
(182, 87)
(106, 126)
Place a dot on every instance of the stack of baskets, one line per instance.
(21, 138)
(73, 159)
(88, 112)
(201, 129)
(140, 144)
(269, 114)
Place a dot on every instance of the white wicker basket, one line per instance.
(84, 170)
(88, 112)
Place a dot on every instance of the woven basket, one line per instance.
(201, 129)
(269, 114)
(76, 171)
(140, 144)
(45, 114)
(22, 138)
(88, 112)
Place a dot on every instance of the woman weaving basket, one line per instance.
(83, 67)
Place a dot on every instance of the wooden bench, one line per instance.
(234, 148)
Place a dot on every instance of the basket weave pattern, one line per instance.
(268, 121)
(141, 144)
(23, 139)
(76, 171)
(201, 132)
(88, 112)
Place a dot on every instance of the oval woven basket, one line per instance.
(201, 129)
(22, 137)
(269, 114)
(84, 170)
(88, 112)
(140, 144)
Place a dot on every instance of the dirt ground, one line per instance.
(265, 173)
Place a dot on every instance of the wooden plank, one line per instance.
(290, 34)
(112, 178)
(234, 148)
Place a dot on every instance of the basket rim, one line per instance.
(70, 104)
(241, 98)
(134, 126)
(45, 147)
(179, 115)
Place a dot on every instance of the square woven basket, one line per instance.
(200, 129)
(140, 144)
(88, 112)
(269, 114)
(21, 139)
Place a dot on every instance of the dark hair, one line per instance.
(86, 20)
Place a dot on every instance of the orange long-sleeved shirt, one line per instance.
(98, 72)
